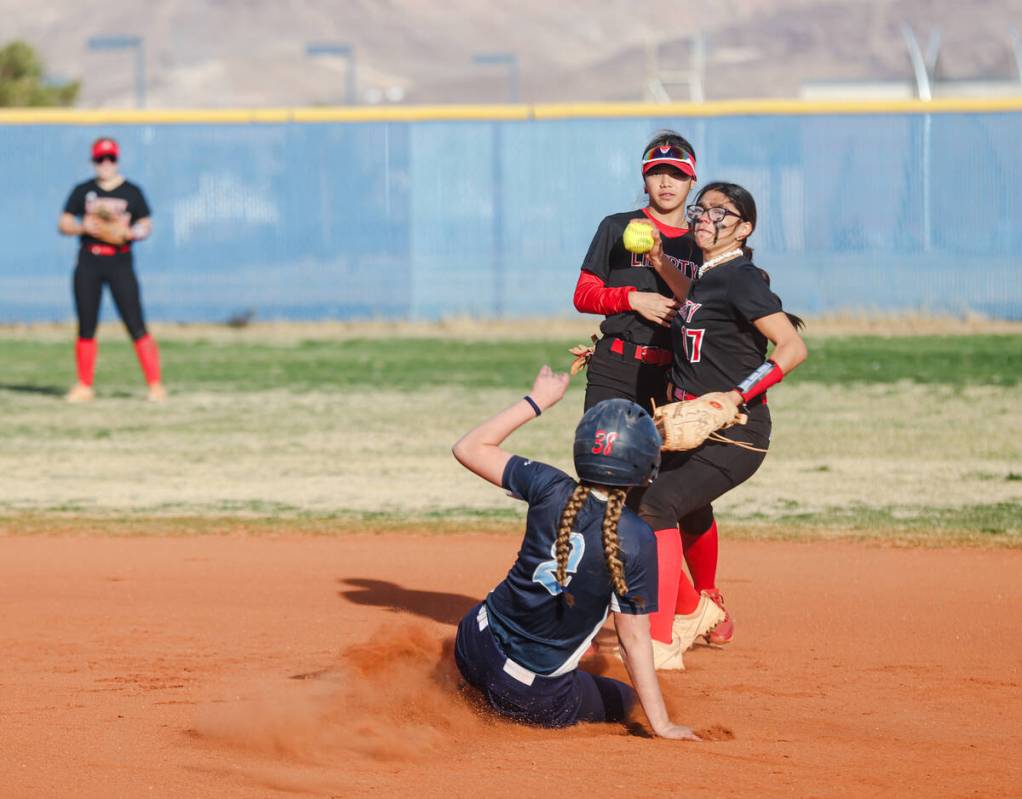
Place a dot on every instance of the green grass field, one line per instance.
(402, 364)
(897, 438)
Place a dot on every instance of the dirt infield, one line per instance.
(279, 665)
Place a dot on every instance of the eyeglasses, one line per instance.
(715, 214)
(101, 158)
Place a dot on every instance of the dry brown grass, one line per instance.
(276, 454)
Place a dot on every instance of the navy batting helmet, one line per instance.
(617, 444)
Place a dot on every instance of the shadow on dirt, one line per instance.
(437, 605)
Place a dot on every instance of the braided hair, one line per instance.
(562, 544)
(611, 548)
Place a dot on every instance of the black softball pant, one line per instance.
(612, 376)
(116, 271)
(688, 482)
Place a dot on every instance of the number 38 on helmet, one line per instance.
(617, 444)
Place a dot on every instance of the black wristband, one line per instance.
(532, 402)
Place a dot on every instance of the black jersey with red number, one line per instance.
(716, 346)
(126, 201)
(615, 266)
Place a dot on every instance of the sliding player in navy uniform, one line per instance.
(584, 555)
(108, 214)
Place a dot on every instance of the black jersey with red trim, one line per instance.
(608, 259)
(126, 202)
(530, 618)
(715, 344)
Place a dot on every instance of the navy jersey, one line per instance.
(530, 618)
(126, 202)
(608, 259)
(715, 344)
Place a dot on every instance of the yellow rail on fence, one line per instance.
(524, 112)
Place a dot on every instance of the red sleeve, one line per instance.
(592, 296)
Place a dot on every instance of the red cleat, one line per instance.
(723, 633)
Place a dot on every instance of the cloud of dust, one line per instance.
(397, 697)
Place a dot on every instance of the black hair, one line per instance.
(672, 137)
(743, 200)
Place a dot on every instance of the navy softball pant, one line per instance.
(517, 693)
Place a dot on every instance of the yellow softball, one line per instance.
(638, 236)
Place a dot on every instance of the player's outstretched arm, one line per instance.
(637, 653)
(479, 449)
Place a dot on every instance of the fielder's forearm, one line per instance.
(676, 282)
(789, 353)
(140, 230)
(69, 226)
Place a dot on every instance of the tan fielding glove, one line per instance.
(106, 227)
(686, 425)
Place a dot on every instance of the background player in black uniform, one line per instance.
(108, 213)
(584, 554)
(639, 294)
(720, 344)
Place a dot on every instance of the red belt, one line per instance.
(654, 355)
(684, 396)
(108, 249)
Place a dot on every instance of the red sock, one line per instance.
(149, 358)
(674, 588)
(85, 356)
(701, 557)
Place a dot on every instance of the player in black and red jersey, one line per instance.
(640, 294)
(720, 337)
(108, 214)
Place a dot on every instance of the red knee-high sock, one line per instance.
(674, 588)
(701, 557)
(85, 357)
(149, 358)
(668, 557)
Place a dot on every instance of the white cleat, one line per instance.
(707, 615)
(157, 393)
(666, 657)
(80, 393)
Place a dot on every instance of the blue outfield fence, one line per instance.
(428, 218)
